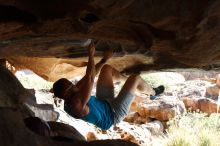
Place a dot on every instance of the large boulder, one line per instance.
(142, 134)
(191, 88)
(162, 109)
(212, 92)
(65, 130)
(193, 74)
(205, 105)
(42, 109)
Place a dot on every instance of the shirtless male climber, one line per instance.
(102, 110)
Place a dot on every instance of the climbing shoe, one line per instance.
(160, 89)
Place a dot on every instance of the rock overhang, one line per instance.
(175, 34)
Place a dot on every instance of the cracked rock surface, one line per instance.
(174, 34)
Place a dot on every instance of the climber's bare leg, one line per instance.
(105, 83)
(136, 83)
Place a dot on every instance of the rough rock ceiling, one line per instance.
(175, 33)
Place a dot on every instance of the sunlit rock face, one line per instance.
(205, 105)
(52, 69)
(213, 90)
(200, 94)
(162, 110)
(174, 33)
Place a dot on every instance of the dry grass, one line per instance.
(194, 129)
